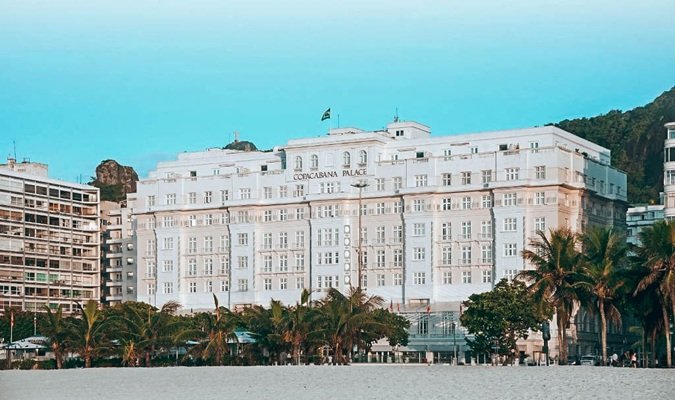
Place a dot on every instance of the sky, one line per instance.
(139, 81)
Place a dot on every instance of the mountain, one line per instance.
(114, 180)
(635, 138)
(241, 145)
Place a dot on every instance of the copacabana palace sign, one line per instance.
(305, 176)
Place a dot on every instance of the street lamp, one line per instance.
(360, 186)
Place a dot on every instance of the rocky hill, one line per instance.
(635, 138)
(114, 180)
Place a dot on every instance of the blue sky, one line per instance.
(139, 81)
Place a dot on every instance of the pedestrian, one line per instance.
(633, 360)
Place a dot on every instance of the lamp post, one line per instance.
(360, 186)
(454, 342)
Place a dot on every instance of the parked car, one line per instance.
(589, 359)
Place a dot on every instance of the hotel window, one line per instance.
(267, 284)
(364, 281)
(446, 179)
(193, 287)
(379, 235)
(380, 280)
(397, 233)
(224, 242)
(298, 163)
(447, 204)
(242, 262)
(420, 180)
(398, 279)
(346, 159)
(150, 269)
(364, 234)
(151, 288)
(168, 222)
(419, 278)
(168, 243)
(208, 244)
(418, 253)
(208, 286)
(283, 214)
(208, 196)
(540, 224)
(267, 241)
(283, 263)
(474, 150)
(466, 177)
(242, 239)
(510, 274)
(446, 255)
(171, 199)
(192, 245)
(267, 192)
(363, 157)
(398, 258)
(283, 283)
(399, 132)
(242, 285)
(299, 213)
(418, 229)
(299, 262)
(283, 191)
(245, 193)
(486, 175)
(299, 239)
(398, 207)
(534, 146)
(466, 276)
(380, 259)
(512, 174)
(466, 203)
(379, 184)
(486, 201)
(208, 219)
(224, 196)
(510, 250)
(418, 205)
(486, 254)
(540, 198)
(192, 198)
(540, 172)
(168, 287)
(447, 277)
(446, 231)
(509, 224)
(379, 208)
(267, 215)
(314, 161)
(224, 286)
(446, 154)
(267, 263)
(466, 254)
(509, 199)
(283, 240)
(398, 182)
(300, 282)
(150, 201)
(466, 230)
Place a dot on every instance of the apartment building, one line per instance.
(49, 239)
(118, 255)
(421, 219)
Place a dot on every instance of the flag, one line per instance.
(326, 115)
(428, 309)
(398, 307)
(391, 305)
(11, 319)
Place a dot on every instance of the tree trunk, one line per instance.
(59, 359)
(653, 346)
(147, 359)
(562, 339)
(87, 357)
(666, 331)
(603, 332)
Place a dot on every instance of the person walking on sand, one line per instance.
(633, 360)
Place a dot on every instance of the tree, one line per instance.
(298, 326)
(500, 317)
(656, 253)
(556, 262)
(55, 328)
(603, 258)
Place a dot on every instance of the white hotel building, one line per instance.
(442, 217)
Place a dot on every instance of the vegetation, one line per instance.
(635, 138)
(137, 334)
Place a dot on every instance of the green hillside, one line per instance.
(635, 138)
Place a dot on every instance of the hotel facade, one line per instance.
(49, 240)
(419, 219)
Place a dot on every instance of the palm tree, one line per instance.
(215, 330)
(56, 329)
(89, 331)
(604, 255)
(298, 326)
(656, 253)
(556, 261)
(149, 329)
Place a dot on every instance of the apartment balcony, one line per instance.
(113, 283)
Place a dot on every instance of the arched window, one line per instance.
(363, 157)
(314, 161)
(298, 162)
(346, 159)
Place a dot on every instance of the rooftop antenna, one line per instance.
(14, 144)
(236, 136)
(396, 115)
